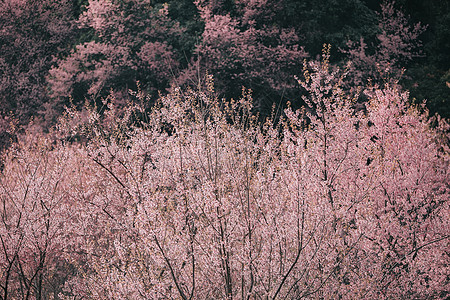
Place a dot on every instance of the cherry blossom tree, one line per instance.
(397, 43)
(390, 170)
(242, 45)
(31, 33)
(203, 201)
(410, 204)
(34, 212)
(198, 198)
(132, 41)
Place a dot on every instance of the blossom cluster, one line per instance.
(199, 199)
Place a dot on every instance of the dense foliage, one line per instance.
(31, 33)
(197, 200)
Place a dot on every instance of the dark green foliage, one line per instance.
(429, 78)
(186, 14)
(332, 22)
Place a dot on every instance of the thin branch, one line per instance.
(109, 171)
(171, 269)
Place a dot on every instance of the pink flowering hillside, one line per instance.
(199, 199)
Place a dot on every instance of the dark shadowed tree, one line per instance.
(243, 45)
(31, 34)
(130, 41)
